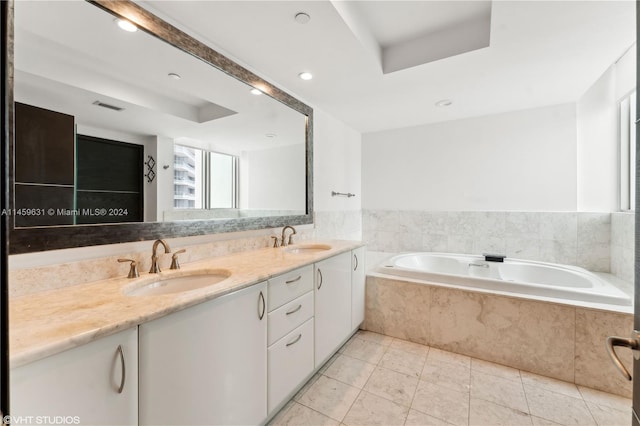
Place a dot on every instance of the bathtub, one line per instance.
(540, 280)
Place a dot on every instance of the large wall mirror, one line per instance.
(133, 135)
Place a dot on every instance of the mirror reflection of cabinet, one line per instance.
(109, 181)
(66, 179)
(44, 156)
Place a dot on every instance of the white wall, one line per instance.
(273, 179)
(523, 160)
(336, 163)
(598, 144)
(164, 177)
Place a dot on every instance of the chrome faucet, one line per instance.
(154, 256)
(283, 241)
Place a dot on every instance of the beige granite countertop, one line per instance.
(50, 322)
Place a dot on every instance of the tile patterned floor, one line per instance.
(380, 380)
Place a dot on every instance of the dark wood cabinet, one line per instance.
(45, 145)
(64, 179)
(109, 178)
(44, 166)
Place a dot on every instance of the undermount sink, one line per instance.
(307, 248)
(169, 285)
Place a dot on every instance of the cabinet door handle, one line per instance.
(355, 257)
(123, 377)
(295, 310)
(320, 281)
(261, 306)
(297, 339)
(293, 280)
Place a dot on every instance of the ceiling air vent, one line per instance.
(108, 106)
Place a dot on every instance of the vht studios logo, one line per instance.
(41, 420)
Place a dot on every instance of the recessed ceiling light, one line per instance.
(444, 103)
(305, 75)
(126, 25)
(255, 91)
(271, 135)
(302, 17)
(174, 76)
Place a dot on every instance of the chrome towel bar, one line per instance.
(342, 194)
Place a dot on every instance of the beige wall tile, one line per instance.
(399, 309)
(524, 334)
(593, 367)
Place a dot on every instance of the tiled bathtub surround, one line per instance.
(342, 225)
(622, 245)
(28, 280)
(581, 239)
(554, 340)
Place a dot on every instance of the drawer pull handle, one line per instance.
(123, 377)
(355, 257)
(295, 310)
(261, 306)
(297, 339)
(320, 279)
(293, 280)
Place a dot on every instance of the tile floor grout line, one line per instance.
(313, 409)
(559, 393)
(590, 412)
(365, 383)
(415, 392)
(526, 399)
(351, 406)
(470, 389)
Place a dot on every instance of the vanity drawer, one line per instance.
(286, 287)
(289, 316)
(290, 362)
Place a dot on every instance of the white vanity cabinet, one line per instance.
(290, 334)
(358, 280)
(96, 383)
(207, 364)
(332, 291)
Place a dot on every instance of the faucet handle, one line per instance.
(275, 241)
(133, 269)
(174, 259)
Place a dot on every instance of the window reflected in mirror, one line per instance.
(204, 179)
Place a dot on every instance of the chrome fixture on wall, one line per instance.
(342, 194)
